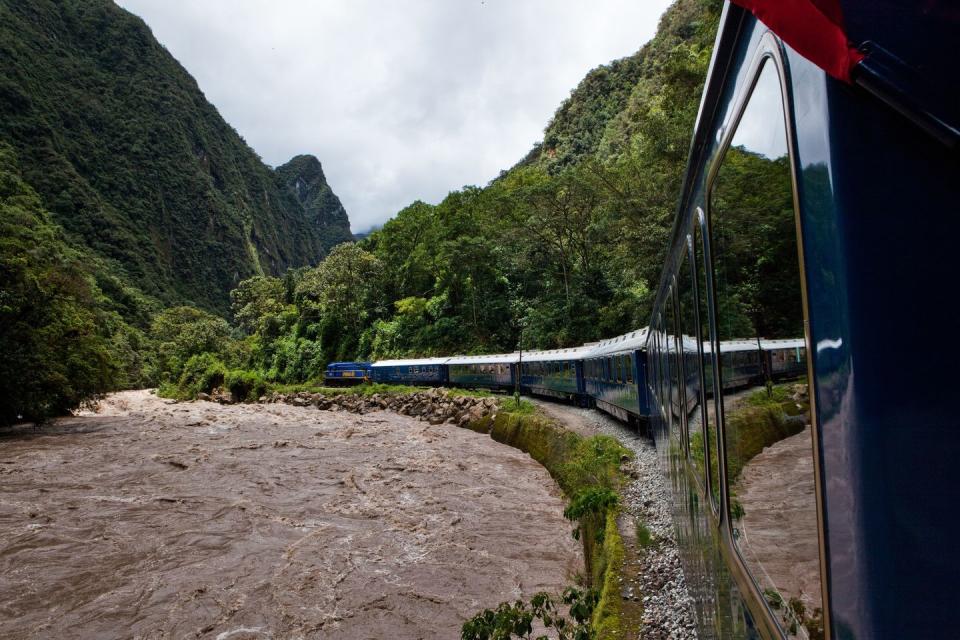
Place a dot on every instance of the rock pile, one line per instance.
(435, 406)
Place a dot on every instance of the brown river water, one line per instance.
(195, 520)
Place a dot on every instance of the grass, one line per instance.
(644, 537)
(578, 465)
(606, 620)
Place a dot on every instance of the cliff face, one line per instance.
(303, 178)
(136, 165)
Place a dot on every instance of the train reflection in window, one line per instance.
(765, 400)
(709, 422)
(691, 366)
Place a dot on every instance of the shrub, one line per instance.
(245, 385)
(201, 374)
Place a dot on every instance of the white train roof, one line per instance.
(788, 343)
(633, 341)
(730, 346)
(409, 362)
(493, 358)
(553, 355)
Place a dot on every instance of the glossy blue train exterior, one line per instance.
(346, 373)
(557, 373)
(487, 372)
(876, 177)
(426, 371)
(615, 372)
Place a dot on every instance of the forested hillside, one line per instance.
(123, 193)
(153, 209)
(565, 247)
(569, 243)
(138, 167)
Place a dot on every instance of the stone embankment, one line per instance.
(435, 406)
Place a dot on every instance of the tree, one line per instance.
(182, 332)
(53, 337)
(341, 297)
(258, 305)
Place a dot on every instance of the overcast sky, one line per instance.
(399, 99)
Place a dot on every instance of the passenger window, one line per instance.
(691, 360)
(710, 425)
(670, 367)
(629, 361)
(767, 420)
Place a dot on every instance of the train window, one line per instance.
(691, 358)
(629, 361)
(709, 425)
(767, 419)
(669, 364)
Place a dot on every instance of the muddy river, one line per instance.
(157, 520)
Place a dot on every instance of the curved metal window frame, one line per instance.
(768, 50)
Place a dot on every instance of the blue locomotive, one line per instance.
(340, 374)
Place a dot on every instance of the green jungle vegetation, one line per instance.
(200, 267)
(587, 470)
(138, 167)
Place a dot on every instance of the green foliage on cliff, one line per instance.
(137, 166)
(303, 177)
(55, 335)
(169, 207)
(564, 248)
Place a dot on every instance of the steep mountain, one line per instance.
(136, 165)
(568, 245)
(609, 107)
(303, 177)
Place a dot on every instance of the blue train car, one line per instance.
(422, 371)
(817, 500)
(556, 373)
(496, 371)
(346, 373)
(615, 372)
(785, 358)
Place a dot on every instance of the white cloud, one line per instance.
(400, 100)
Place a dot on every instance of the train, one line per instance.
(796, 387)
(342, 374)
(610, 375)
(822, 505)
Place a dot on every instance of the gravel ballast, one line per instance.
(657, 578)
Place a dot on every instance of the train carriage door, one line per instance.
(767, 428)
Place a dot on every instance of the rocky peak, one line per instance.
(303, 177)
